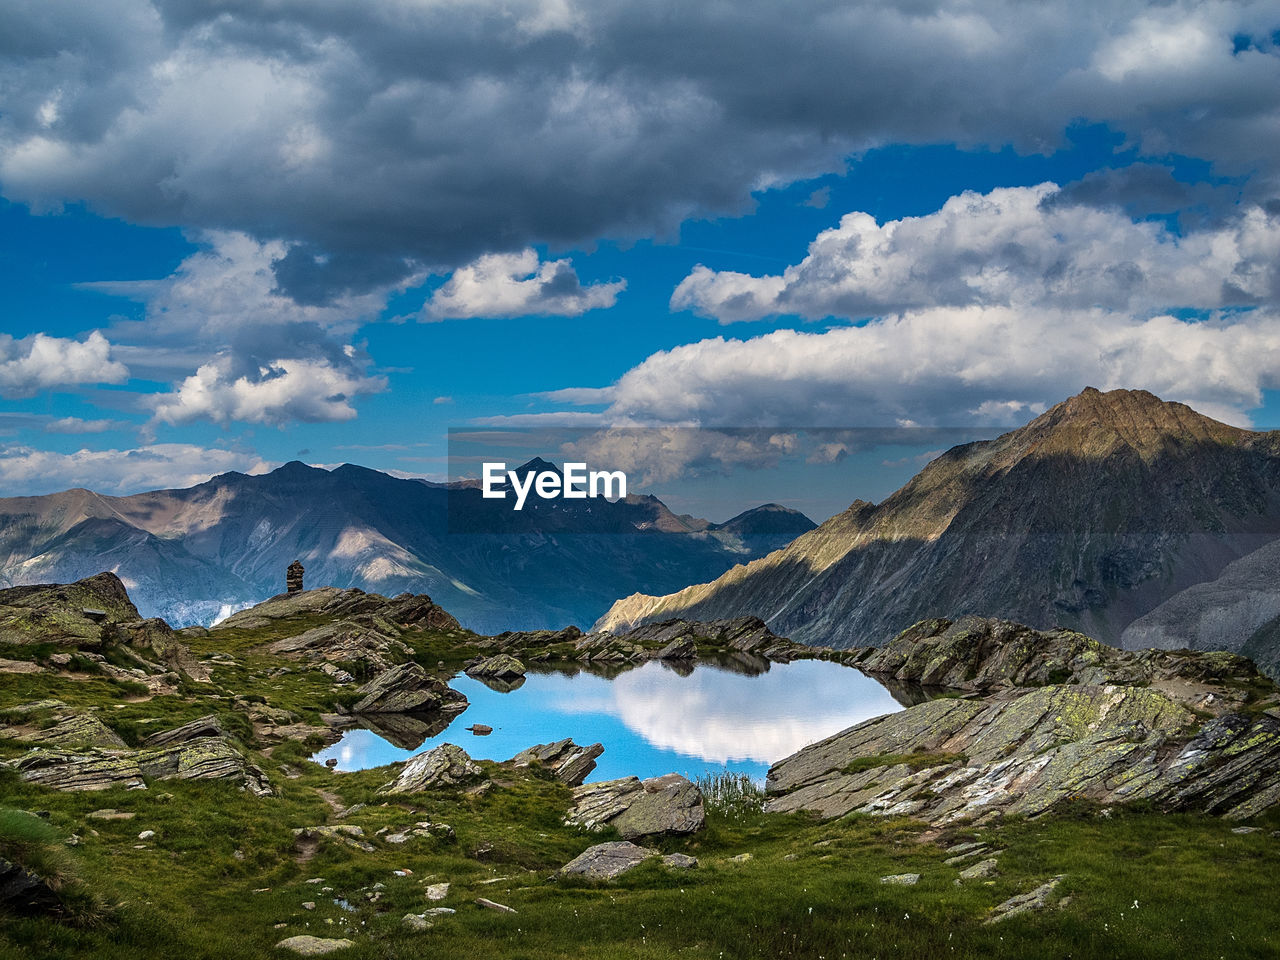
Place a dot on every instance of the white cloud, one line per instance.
(26, 471)
(517, 285)
(285, 390)
(41, 362)
(1010, 247)
(953, 366)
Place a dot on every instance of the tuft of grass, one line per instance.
(733, 796)
(35, 845)
(916, 761)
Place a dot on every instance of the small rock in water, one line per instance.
(331, 762)
(480, 729)
(902, 879)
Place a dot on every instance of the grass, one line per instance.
(223, 876)
(919, 760)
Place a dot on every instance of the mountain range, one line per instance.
(196, 554)
(1138, 521)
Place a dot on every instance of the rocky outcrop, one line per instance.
(1184, 731)
(360, 639)
(673, 641)
(639, 808)
(405, 610)
(567, 761)
(64, 613)
(77, 730)
(447, 765)
(501, 667)
(983, 654)
(209, 758)
(407, 689)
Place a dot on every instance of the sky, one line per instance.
(234, 234)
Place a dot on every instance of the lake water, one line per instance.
(652, 720)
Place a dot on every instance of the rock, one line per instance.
(24, 893)
(681, 648)
(979, 871)
(491, 905)
(445, 766)
(661, 805)
(502, 667)
(437, 891)
(1036, 899)
(405, 610)
(206, 726)
(480, 729)
(679, 861)
(146, 834)
(293, 577)
(55, 612)
(110, 813)
(25, 666)
(79, 730)
(308, 905)
(1022, 751)
(741, 858)
(306, 839)
(980, 653)
(606, 861)
(902, 879)
(569, 762)
(416, 922)
(331, 763)
(309, 946)
(364, 638)
(1244, 830)
(407, 689)
(209, 758)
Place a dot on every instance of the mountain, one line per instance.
(195, 554)
(1091, 516)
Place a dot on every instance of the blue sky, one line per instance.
(239, 234)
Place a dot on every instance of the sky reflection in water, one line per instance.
(652, 720)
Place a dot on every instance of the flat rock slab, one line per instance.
(902, 879)
(639, 808)
(1036, 899)
(308, 946)
(502, 667)
(606, 861)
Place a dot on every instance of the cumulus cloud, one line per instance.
(27, 471)
(275, 359)
(953, 366)
(390, 133)
(41, 362)
(1009, 247)
(517, 285)
(311, 391)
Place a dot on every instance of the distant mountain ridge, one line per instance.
(189, 555)
(1091, 516)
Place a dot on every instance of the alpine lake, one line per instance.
(736, 714)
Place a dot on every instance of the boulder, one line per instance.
(569, 762)
(639, 808)
(606, 861)
(1036, 899)
(56, 612)
(501, 667)
(445, 766)
(361, 639)
(407, 689)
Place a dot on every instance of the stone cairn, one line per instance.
(293, 577)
